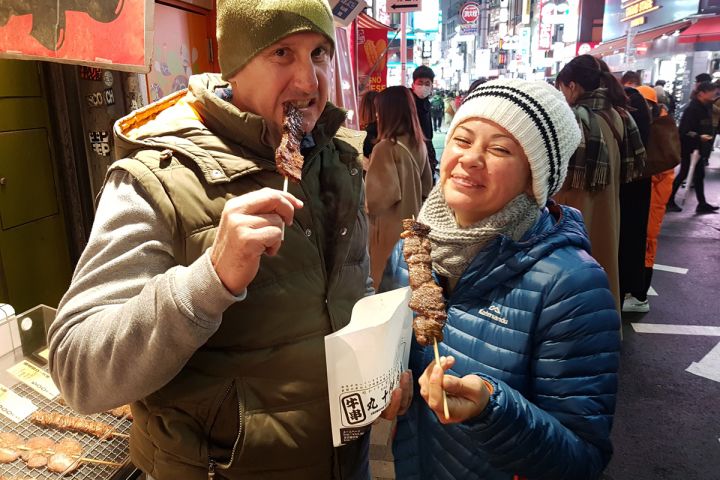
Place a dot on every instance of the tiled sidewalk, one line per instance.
(381, 459)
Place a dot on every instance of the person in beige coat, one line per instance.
(610, 153)
(398, 177)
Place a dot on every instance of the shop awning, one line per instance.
(704, 30)
(366, 21)
(609, 48)
(651, 35)
(620, 44)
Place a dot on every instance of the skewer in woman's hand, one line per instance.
(467, 397)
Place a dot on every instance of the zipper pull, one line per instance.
(211, 469)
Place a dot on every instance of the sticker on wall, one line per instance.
(108, 78)
(90, 73)
(109, 96)
(96, 99)
(100, 142)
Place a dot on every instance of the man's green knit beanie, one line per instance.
(246, 27)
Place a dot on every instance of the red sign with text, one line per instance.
(107, 33)
(470, 12)
(372, 43)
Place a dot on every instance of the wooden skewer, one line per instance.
(437, 360)
(80, 459)
(285, 189)
(100, 462)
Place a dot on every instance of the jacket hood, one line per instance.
(558, 227)
(197, 123)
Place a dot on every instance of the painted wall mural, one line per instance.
(181, 49)
(87, 32)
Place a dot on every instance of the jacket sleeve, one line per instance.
(690, 128)
(562, 430)
(132, 317)
(641, 115)
(382, 183)
(426, 180)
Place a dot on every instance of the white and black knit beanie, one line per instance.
(539, 118)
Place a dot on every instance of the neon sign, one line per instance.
(635, 11)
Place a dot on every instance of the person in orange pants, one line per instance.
(662, 184)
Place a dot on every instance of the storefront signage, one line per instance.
(584, 48)
(526, 6)
(372, 58)
(710, 6)
(545, 26)
(623, 15)
(468, 29)
(470, 12)
(635, 12)
(345, 11)
(109, 33)
(403, 6)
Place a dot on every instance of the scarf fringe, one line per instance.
(595, 181)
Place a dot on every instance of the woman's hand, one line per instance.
(466, 396)
(400, 398)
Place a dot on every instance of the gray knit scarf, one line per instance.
(455, 247)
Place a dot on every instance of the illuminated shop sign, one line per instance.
(636, 11)
(639, 15)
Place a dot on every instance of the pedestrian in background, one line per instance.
(449, 101)
(422, 88)
(368, 122)
(398, 176)
(532, 336)
(663, 154)
(696, 133)
(634, 200)
(437, 105)
(610, 153)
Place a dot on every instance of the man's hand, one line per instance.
(400, 398)
(706, 138)
(250, 226)
(466, 396)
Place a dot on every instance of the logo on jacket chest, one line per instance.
(494, 313)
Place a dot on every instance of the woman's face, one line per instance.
(483, 167)
(571, 91)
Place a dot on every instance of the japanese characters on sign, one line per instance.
(365, 360)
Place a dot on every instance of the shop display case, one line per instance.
(26, 390)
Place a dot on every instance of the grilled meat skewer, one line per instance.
(427, 297)
(288, 159)
(71, 424)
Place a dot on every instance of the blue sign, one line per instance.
(344, 8)
(640, 15)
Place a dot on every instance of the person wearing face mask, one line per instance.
(198, 312)
(422, 88)
(530, 349)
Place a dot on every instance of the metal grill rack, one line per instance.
(113, 449)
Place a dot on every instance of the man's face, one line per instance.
(295, 69)
(422, 87)
(706, 97)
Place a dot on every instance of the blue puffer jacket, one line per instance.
(534, 318)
